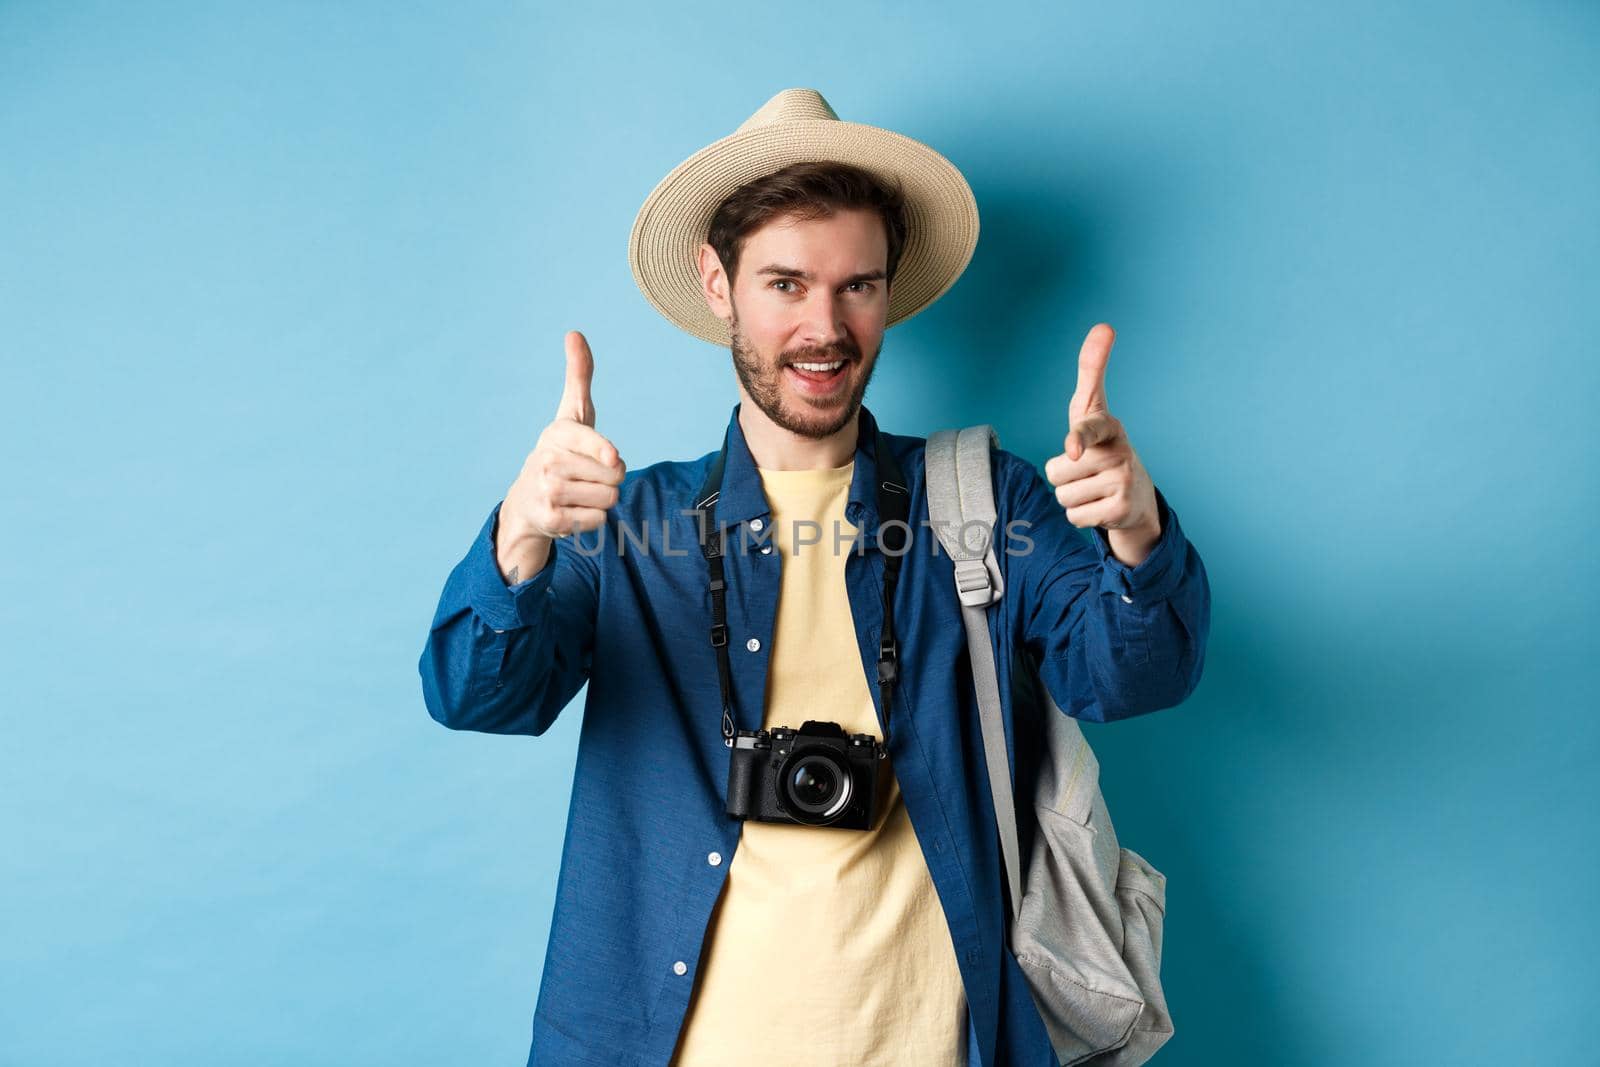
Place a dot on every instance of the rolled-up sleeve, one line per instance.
(1111, 641)
(507, 659)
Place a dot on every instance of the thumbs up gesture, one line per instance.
(569, 479)
(1098, 478)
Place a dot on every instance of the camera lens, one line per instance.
(816, 786)
(813, 783)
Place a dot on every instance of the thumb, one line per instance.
(1090, 395)
(576, 402)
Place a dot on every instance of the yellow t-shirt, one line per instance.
(828, 947)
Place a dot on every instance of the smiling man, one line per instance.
(781, 847)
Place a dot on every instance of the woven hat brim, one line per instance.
(941, 213)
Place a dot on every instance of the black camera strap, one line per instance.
(894, 503)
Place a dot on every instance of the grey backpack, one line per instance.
(1086, 914)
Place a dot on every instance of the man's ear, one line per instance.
(714, 283)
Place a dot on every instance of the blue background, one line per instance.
(281, 302)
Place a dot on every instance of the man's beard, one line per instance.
(763, 380)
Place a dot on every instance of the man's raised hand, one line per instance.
(573, 473)
(1098, 477)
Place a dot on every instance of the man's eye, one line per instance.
(783, 281)
(866, 287)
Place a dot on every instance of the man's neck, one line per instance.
(774, 448)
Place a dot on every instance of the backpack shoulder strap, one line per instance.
(961, 511)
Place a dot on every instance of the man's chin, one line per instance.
(817, 419)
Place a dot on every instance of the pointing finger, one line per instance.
(586, 441)
(1097, 429)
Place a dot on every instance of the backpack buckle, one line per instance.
(974, 582)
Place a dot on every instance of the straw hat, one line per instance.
(797, 126)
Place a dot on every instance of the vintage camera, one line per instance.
(814, 776)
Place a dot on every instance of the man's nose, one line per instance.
(823, 322)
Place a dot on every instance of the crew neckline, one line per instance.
(811, 474)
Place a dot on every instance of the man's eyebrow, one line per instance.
(781, 271)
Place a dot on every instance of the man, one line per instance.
(683, 934)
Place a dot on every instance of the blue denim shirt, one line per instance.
(638, 883)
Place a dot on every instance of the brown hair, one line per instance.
(806, 191)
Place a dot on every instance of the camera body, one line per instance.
(813, 776)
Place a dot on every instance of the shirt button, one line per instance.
(715, 859)
(766, 550)
(753, 645)
(756, 524)
(1127, 599)
(680, 968)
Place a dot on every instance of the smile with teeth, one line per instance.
(818, 378)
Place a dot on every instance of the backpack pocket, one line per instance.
(1142, 899)
(1070, 935)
